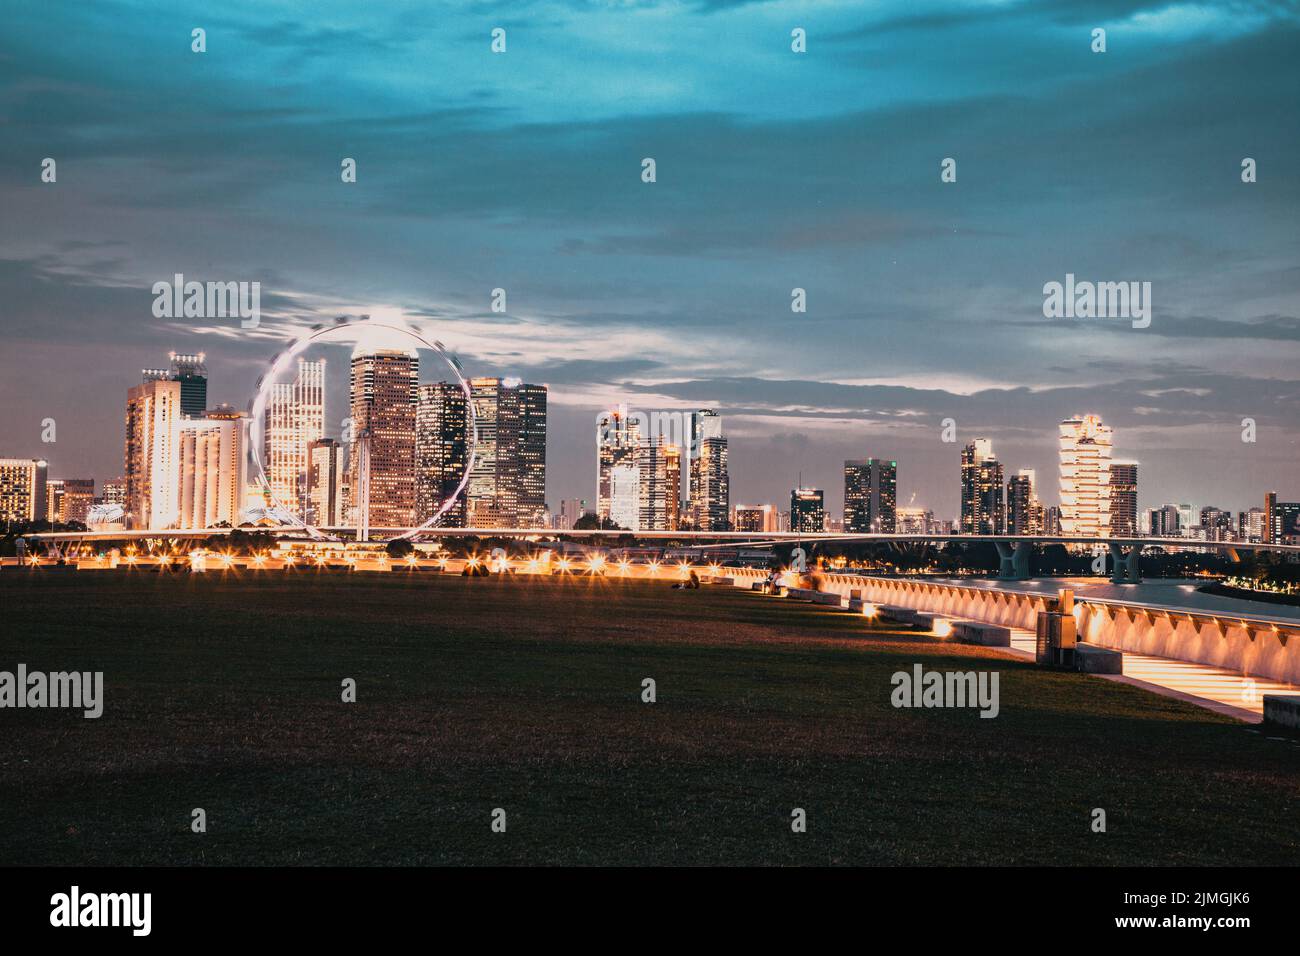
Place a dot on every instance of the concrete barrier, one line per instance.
(1091, 659)
(1282, 711)
(986, 635)
(1244, 645)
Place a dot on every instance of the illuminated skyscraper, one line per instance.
(23, 495)
(673, 485)
(1085, 452)
(617, 441)
(295, 417)
(213, 462)
(1024, 512)
(704, 424)
(1124, 498)
(983, 507)
(153, 413)
(625, 496)
(870, 496)
(441, 450)
(326, 464)
(507, 487)
(807, 511)
(652, 477)
(383, 402)
(711, 486)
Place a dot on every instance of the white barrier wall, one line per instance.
(1249, 647)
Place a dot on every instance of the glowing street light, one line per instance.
(596, 563)
(870, 610)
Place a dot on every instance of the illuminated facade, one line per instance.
(1124, 498)
(983, 507)
(441, 451)
(711, 486)
(295, 417)
(326, 484)
(618, 439)
(870, 496)
(507, 486)
(1085, 457)
(1024, 512)
(152, 466)
(383, 403)
(652, 478)
(23, 495)
(807, 511)
(69, 499)
(673, 485)
(212, 455)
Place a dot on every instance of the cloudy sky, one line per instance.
(775, 170)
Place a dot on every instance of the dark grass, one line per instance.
(223, 692)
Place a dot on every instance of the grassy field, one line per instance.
(223, 692)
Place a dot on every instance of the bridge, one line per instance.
(1013, 549)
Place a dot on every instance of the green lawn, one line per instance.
(223, 692)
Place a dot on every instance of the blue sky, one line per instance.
(775, 170)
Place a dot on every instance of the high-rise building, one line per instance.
(983, 507)
(1281, 520)
(153, 412)
(23, 495)
(704, 424)
(69, 499)
(295, 417)
(1217, 524)
(192, 375)
(326, 481)
(441, 451)
(673, 485)
(529, 475)
(807, 511)
(652, 477)
(383, 402)
(625, 497)
(711, 491)
(212, 459)
(1165, 522)
(756, 518)
(1024, 510)
(507, 487)
(870, 496)
(1123, 498)
(917, 521)
(617, 439)
(1085, 458)
(1251, 525)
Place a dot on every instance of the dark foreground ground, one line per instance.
(224, 693)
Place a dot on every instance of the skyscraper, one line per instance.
(192, 375)
(441, 451)
(652, 477)
(212, 454)
(295, 417)
(507, 485)
(1085, 453)
(1281, 520)
(704, 424)
(711, 486)
(23, 495)
(1024, 512)
(983, 507)
(617, 439)
(807, 511)
(326, 464)
(625, 497)
(673, 485)
(383, 401)
(153, 412)
(1124, 498)
(870, 496)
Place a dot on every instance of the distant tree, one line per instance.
(399, 548)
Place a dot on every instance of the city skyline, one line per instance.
(924, 298)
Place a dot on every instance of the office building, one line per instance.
(652, 475)
(295, 417)
(1123, 499)
(711, 491)
(1281, 520)
(673, 485)
(507, 487)
(382, 458)
(442, 443)
(870, 496)
(327, 483)
(212, 458)
(1085, 457)
(807, 511)
(23, 495)
(983, 506)
(152, 467)
(618, 438)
